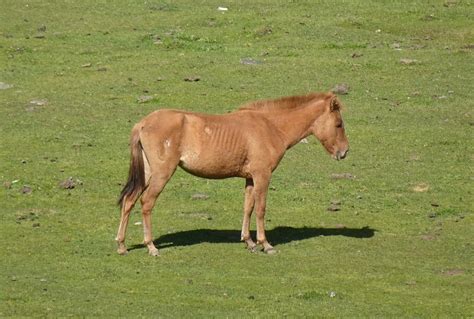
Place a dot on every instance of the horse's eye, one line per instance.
(339, 125)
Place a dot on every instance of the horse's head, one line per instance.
(329, 129)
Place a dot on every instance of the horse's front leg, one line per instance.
(249, 203)
(260, 194)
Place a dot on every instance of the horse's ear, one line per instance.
(334, 104)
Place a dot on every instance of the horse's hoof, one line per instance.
(122, 251)
(251, 246)
(154, 252)
(270, 251)
(252, 249)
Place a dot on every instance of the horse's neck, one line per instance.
(295, 124)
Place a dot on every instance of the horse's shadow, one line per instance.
(277, 236)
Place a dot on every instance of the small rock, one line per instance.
(408, 61)
(192, 79)
(421, 188)
(342, 176)
(26, 189)
(69, 183)
(341, 89)
(334, 208)
(335, 202)
(137, 223)
(39, 102)
(42, 28)
(429, 17)
(86, 65)
(222, 9)
(249, 61)
(340, 226)
(199, 196)
(332, 294)
(4, 86)
(453, 272)
(264, 31)
(157, 39)
(31, 216)
(450, 3)
(417, 46)
(304, 141)
(144, 98)
(428, 237)
(395, 46)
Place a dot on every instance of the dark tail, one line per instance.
(136, 174)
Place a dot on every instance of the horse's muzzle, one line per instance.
(341, 154)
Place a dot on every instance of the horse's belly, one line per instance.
(212, 165)
(213, 147)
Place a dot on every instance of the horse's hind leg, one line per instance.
(127, 205)
(157, 182)
(249, 203)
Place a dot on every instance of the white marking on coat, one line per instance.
(189, 157)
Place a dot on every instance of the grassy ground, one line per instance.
(402, 243)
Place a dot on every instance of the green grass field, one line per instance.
(72, 75)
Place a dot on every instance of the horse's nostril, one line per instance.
(343, 154)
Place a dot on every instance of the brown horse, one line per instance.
(247, 143)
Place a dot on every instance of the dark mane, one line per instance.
(284, 103)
